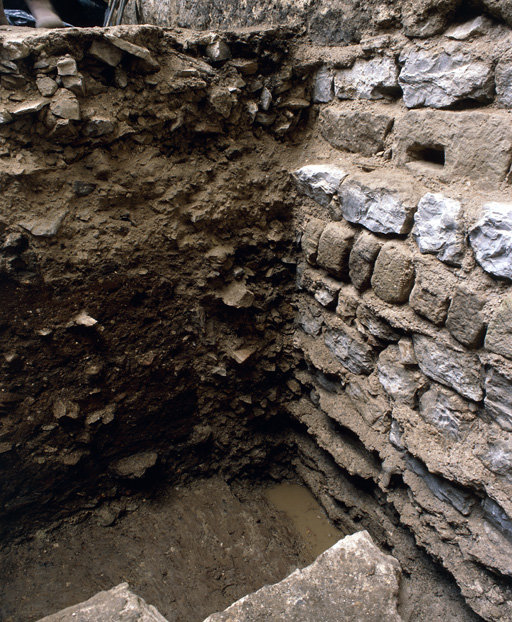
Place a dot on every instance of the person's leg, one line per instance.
(3, 19)
(44, 13)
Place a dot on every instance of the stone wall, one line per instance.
(405, 307)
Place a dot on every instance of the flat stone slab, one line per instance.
(352, 581)
(117, 605)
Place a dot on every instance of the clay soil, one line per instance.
(189, 552)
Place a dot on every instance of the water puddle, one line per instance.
(308, 518)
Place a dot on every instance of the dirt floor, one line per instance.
(190, 552)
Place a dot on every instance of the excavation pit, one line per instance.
(202, 293)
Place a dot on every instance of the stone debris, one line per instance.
(319, 181)
(218, 51)
(114, 605)
(438, 228)
(237, 295)
(473, 28)
(28, 107)
(491, 239)
(442, 79)
(352, 581)
(106, 52)
(65, 105)
(136, 466)
(367, 79)
(47, 226)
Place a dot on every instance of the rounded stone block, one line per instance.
(393, 276)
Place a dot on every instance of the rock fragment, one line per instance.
(352, 581)
(465, 321)
(65, 105)
(499, 332)
(323, 86)
(105, 52)
(218, 51)
(319, 181)
(135, 466)
(353, 353)
(442, 79)
(458, 370)
(119, 603)
(438, 228)
(491, 239)
(375, 207)
(367, 79)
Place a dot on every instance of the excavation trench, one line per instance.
(162, 366)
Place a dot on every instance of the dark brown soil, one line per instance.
(190, 552)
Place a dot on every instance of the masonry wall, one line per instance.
(404, 315)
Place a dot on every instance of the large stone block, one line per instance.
(465, 321)
(348, 347)
(376, 206)
(431, 293)
(491, 239)
(367, 79)
(309, 241)
(319, 181)
(438, 228)
(393, 276)
(334, 248)
(358, 131)
(117, 604)
(362, 259)
(456, 369)
(376, 326)
(499, 333)
(476, 145)
(441, 79)
(352, 581)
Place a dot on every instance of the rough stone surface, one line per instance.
(136, 466)
(116, 605)
(362, 259)
(350, 350)
(352, 581)
(334, 248)
(319, 181)
(401, 383)
(491, 239)
(377, 208)
(367, 79)
(438, 228)
(106, 53)
(357, 131)
(499, 333)
(503, 79)
(474, 27)
(498, 396)
(309, 241)
(441, 79)
(465, 321)
(477, 145)
(443, 409)
(393, 275)
(323, 88)
(458, 370)
(65, 105)
(431, 293)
